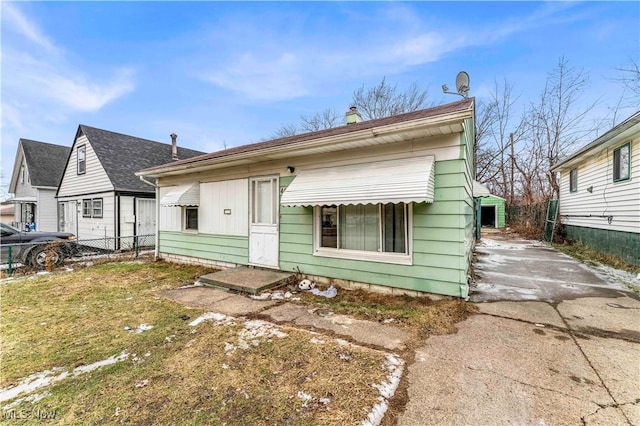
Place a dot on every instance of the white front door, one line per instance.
(146, 217)
(263, 222)
(68, 215)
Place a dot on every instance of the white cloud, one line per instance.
(262, 79)
(397, 40)
(19, 23)
(36, 72)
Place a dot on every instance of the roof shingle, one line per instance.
(122, 155)
(462, 105)
(45, 162)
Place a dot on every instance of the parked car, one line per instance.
(35, 248)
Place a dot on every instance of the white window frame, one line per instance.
(87, 207)
(97, 205)
(184, 219)
(573, 186)
(626, 165)
(369, 256)
(83, 149)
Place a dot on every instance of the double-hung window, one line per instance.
(92, 207)
(622, 163)
(573, 180)
(191, 218)
(368, 232)
(82, 159)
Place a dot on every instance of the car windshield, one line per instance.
(9, 228)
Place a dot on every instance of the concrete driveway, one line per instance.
(555, 343)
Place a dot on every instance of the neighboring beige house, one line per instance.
(386, 202)
(600, 192)
(7, 211)
(37, 170)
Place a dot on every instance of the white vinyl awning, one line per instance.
(23, 200)
(183, 195)
(479, 190)
(390, 181)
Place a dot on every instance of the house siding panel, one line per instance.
(95, 178)
(46, 212)
(96, 232)
(620, 200)
(24, 189)
(212, 247)
(215, 197)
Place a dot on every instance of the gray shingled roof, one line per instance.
(462, 105)
(123, 155)
(45, 162)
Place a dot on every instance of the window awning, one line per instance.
(23, 200)
(390, 181)
(479, 190)
(183, 195)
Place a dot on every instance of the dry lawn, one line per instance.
(174, 373)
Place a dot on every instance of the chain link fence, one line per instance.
(47, 255)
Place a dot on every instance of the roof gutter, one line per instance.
(443, 120)
(148, 182)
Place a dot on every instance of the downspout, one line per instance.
(157, 250)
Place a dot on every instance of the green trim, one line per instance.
(625, 245)
(617, 150)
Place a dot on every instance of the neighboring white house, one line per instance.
(37, 170)
(600, 192)
(387, 202)
(100, 198)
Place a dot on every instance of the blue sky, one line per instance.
(225, 74)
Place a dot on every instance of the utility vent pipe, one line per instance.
(174, 146)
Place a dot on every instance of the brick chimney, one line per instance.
(174, 146)
(353, 116)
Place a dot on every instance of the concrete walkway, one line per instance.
(363, 332)
(564, 352)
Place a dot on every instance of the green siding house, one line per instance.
(386, 204)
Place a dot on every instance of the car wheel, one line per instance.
(40, 257)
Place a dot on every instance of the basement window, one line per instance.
(573, 180)
(622, 163)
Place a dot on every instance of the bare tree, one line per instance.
(381, 100)
(630, 77)
(325, 119)
(495, 125)
(385, 100)
(554, 123)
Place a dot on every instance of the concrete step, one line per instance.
(247, 280)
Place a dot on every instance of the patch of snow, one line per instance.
(142, 383)
(328, 293)
(276, 295)
(31, 398)
(142, 328)
(43, 273)
(261, 296)
(45, 378)
(324, 401)
(225, 367)
(623, 279)
(316, 341)
(229, 347)
(305, 397)
(195, 284)
(343, 342)
(90, 367)
(220, 319)
(395, 366)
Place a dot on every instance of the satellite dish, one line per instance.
(462, 84)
